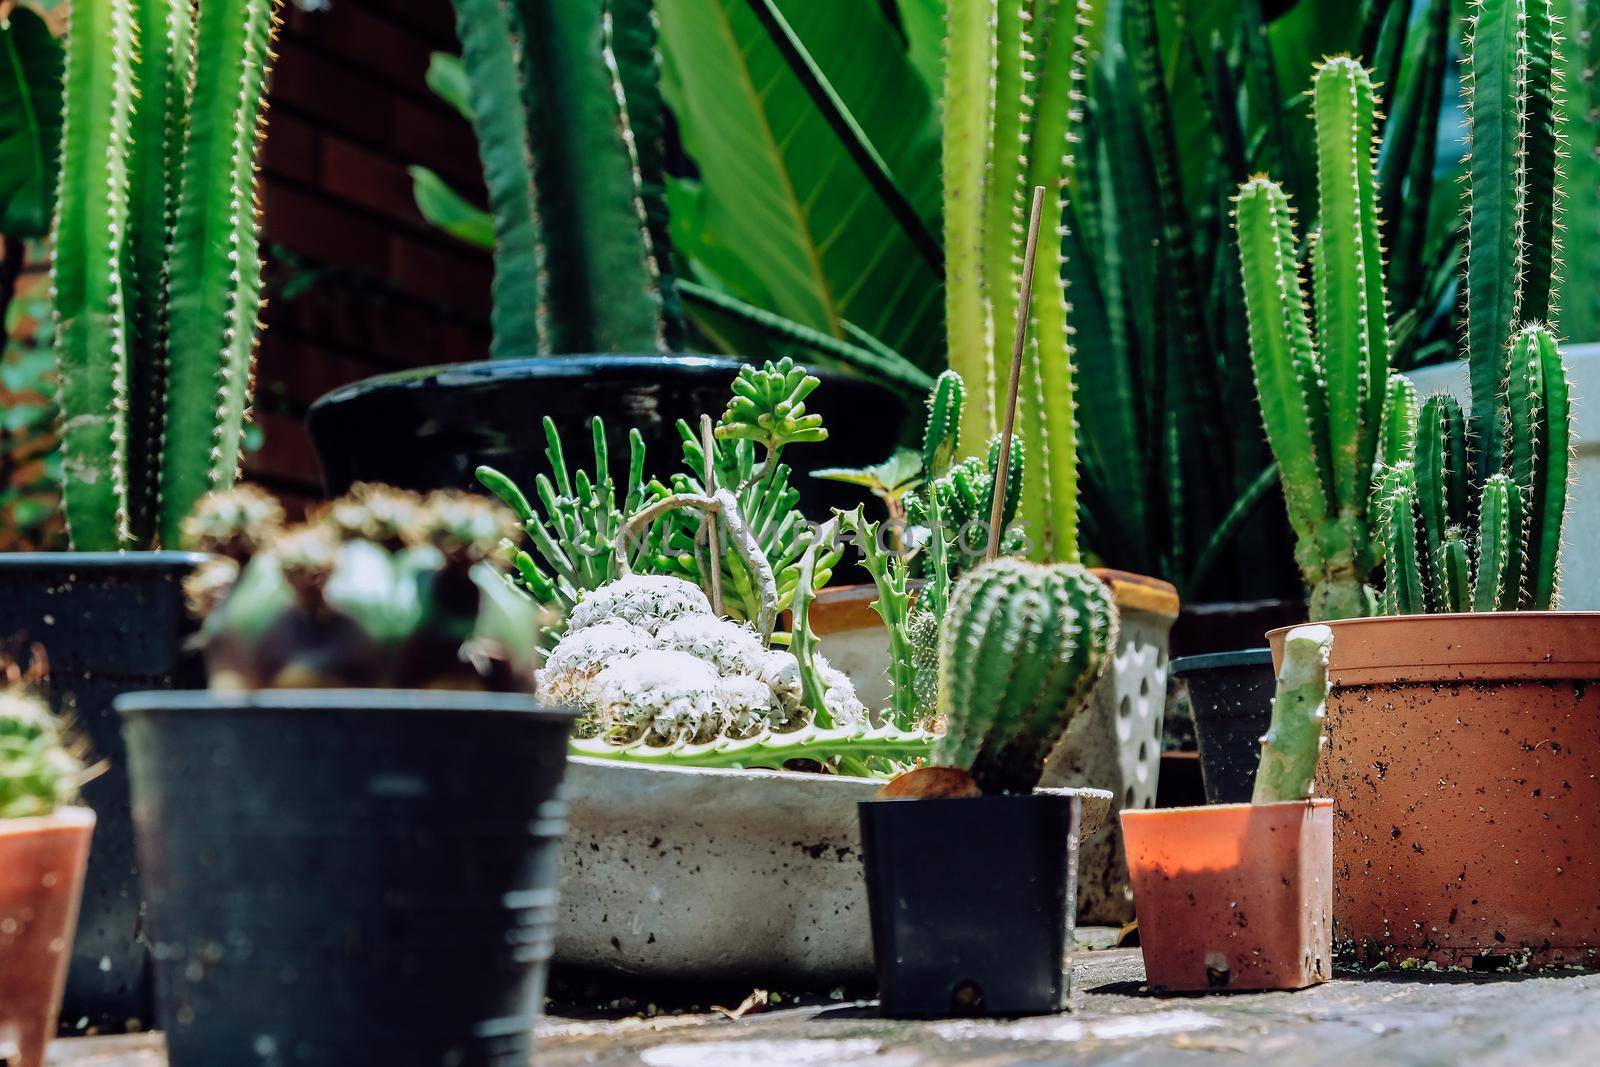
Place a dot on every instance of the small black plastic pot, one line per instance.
(431, 428)
(348, 876)
(1231, 695)
(973, 903)
(109, 623)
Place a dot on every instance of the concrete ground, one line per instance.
(1396, 1018)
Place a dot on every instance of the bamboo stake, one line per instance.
(1025, 303)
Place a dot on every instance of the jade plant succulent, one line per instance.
(40, 768)
(1474, 510)
(156, 278)
(380, 589)
(1293, 743)
(1021, 647)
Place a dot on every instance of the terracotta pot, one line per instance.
(1463, 760)
(41, 881)
(1235, 896)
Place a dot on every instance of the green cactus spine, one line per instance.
(1020, 649)
(1510, 459)
(157, 274)
(1293, 743)
(1322, 402)
(565, 99)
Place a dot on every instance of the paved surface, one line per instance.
(1403, 1018)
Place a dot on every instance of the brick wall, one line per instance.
(357, 283)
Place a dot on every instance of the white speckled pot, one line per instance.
(715, 875)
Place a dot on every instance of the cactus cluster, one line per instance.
(1321, 400)
(574, 529)
(1293, 743)
(380, 589)
(39, 767)
(1021, 647)
(1473, 513)
(565, 99)
(156, 276)
(1011, 96)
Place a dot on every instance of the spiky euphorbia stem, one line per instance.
(1293, 742)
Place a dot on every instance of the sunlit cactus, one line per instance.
(1293, 743)
(1322, 400)
(1477, 512)
(156, 278)
(1021, 647)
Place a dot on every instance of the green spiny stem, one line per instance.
(1511, 225)
(1021, 647)
(1440, 441)
(1352, 338)
(1497, 580)
(802, 641)
(1453, 569)
(1006, 196)
(1293, 743)
(943, 426)
(214, 266)
(494, 59)
(1397, 433)
(891, 578)
(771, 750)
(970, 57)
(1538, 398)
(1405, 592)
(90, 299)
(1579, 210)
(606, 296)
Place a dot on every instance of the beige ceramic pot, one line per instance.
(1463, 760)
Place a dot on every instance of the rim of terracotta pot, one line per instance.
(1204, 810)
(842, 608)
(1491, 646)
(66, 817)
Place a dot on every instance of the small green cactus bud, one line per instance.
(375, 513)
(768, 406)
(939, 438)
(1020, 648)
(38, 768)
(1293, 743)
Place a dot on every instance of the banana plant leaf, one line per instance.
(30, 123)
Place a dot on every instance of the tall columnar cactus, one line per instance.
(1293, 742)
(1012, 79)
(565, 99)
(1474, 516)
(1021, 646)
(1322, 400)
(1579, 300)
(157, 274)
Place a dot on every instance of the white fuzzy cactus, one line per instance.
(728, 646)
(581, 655)
(658, 694)
(649, 601)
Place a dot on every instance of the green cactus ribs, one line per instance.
(1322, 400)
(1293, 743)
(1021, 647)
(157, 274)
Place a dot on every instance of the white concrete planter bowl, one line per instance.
(721, 876)
(1580, 569)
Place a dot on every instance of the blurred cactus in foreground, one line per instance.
(39, 769)
(380, 589)
(157, 275)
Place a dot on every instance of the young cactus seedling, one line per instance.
(1293, 744)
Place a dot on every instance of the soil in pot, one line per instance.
(1229, 695)
(1463, 760)
(348, 876)
(109, 623)
(1233, 897)
(41, 880)
(431, 428)
(973, 903)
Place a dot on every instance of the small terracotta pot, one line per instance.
(1463, 760)
(1235, 896)
(41, 881)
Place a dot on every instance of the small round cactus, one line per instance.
(1020, 648)
(38, 768)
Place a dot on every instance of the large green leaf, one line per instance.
(787, 217)
(30, 123)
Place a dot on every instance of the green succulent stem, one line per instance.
(1293, 743)
(773, 750)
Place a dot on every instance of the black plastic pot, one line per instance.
(110, 623)
(1231, 697)
(973, 903)
(343, 877)
(431, 428)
